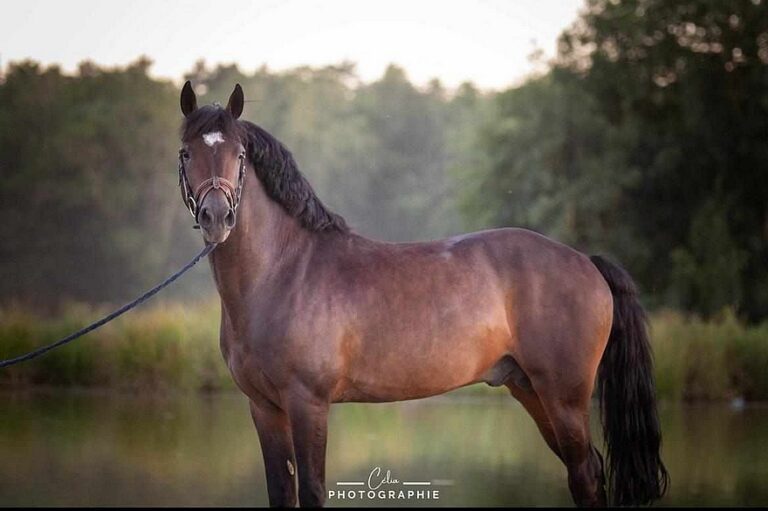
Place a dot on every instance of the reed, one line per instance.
(164, 346)
(170, 346)
(715, 359)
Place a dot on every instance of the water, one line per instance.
(85, 449)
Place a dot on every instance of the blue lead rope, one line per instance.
(106, 319)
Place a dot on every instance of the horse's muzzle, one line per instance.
(216, 217)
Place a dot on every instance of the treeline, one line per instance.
(647, 139)
(88, 193)
(383, 154)
(87, 184)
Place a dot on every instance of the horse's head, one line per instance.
(212, 162)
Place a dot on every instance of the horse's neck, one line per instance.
(264, 240)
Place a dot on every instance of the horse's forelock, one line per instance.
(209, 119)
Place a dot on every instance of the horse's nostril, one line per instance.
(206, 219)
(229, 220)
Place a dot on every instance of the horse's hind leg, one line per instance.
(570, 423)
(565, 427)
(584, 464)
(532, 404)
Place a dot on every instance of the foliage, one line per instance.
(88, 196)
(175, 347)
(381, 153)
(85, 182)
(167, 346)
(646, 140)
(709, 360)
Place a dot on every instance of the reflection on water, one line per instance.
(99, 449)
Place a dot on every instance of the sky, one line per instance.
(487, 42)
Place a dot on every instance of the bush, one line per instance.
(709, 360)
(173, 346)
(167, 346)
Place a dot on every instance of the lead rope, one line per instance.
(106, 319)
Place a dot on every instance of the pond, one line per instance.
(85, 449)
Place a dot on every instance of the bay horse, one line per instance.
(314, 314)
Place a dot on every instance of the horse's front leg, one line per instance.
(276, 442)
(309, 425)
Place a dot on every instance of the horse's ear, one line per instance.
(188, 99)
(236, 101)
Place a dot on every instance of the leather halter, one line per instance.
(192, 200)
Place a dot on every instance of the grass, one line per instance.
(171, 346)
(162, 347)
(717, 359)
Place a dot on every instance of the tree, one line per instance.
(89, 199)
(647, 140)
(84, 161)
(690, 80)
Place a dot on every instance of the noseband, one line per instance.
(193, 199)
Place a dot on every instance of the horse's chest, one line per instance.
(255, 365)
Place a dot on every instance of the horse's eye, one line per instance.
(185, 155)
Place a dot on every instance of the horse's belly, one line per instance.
(423, 362)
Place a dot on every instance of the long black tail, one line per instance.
(625, 385)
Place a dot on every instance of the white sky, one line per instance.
(485, 41)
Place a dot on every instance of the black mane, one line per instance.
(274, 164)
(284, 182)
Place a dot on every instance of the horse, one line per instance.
(313, 314)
